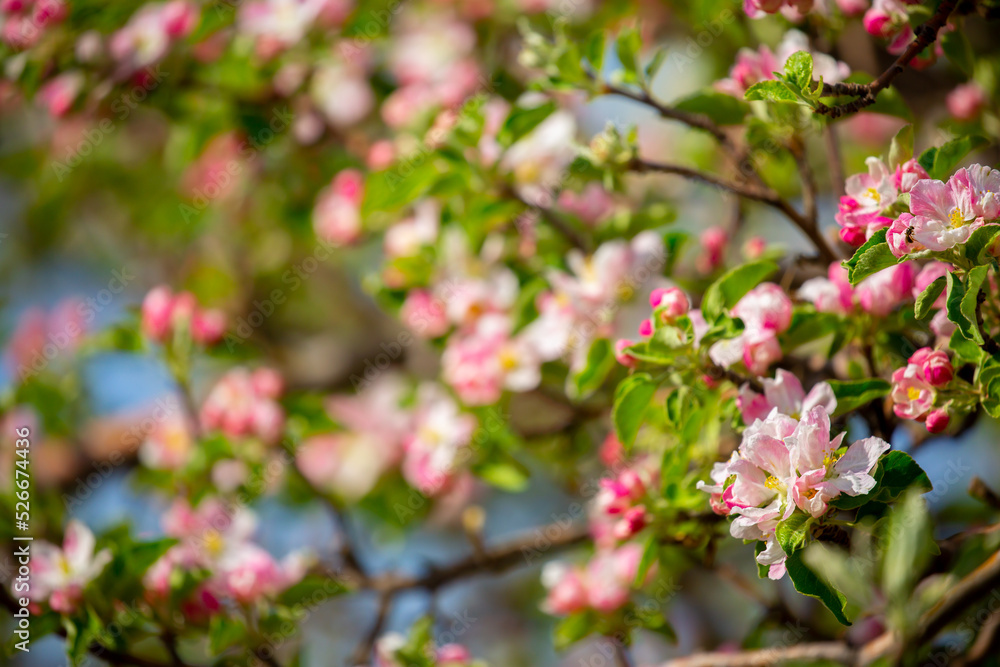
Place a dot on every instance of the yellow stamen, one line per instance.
(956, 218)
(874, 195)
(830, 459)
(913, 393)
(772, 483)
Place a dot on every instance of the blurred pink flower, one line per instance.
(59, 576)
(337, 214)
(238, 408)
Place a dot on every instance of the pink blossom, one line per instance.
(966, 101)
(982, 185)
(853, 7)
(169, 444)
(934, 366)
(671, 301)
(592, 205)
(783, 464)
(41, 336)
(832, 294)
(59, 576)
(882, 292)
(248, 574)
(765, 307)
(423, 314)
(453, 655)
(912, 395)
(784, 393)
(163, 312)
(944, 213)
(406, 237)
(348, 464)
(342, 92)
(713, 249)
(567, 589)
(440, 433)
(148, 35)
(646, 328)
(58, 94)
(754, 247)
(281, 22)
(889, 20)
(937, 420)
(867, 195)
(381, 155)
(907, 174)
(337, 214)
(482, 363)
(899, 236)
(236, 407)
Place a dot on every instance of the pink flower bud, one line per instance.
(646, 328)
(966, 101)
(937, 420)
(853, 236)
(453, 655)
(156, 312)
(267, 382)
(623, 357)
(672, 300)
(936, 368)
(208, 326)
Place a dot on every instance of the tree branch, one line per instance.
(836, 651)
(866, 93)
(695, 120)
(762, 195)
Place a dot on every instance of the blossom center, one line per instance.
(956, 218)
(913, 393)
(772, 483)
(874, 195)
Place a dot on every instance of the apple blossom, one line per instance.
(937, 420)
(881, 293)
(867, 195)
(832, 294)
(59, 575)
(440, 432)
(237, 407)
(912, 395)
(784, 393)
(966, 101)
(337, 214)
(673, 302)
(934, 365)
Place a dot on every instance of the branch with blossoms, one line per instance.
(402, 295)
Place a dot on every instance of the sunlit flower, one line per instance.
(60, 575)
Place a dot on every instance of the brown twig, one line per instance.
(866, 93)
(695, 120)
(366, 646)
(762, 195)
(836, 651)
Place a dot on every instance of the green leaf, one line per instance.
(399, 185)
(225, 631)
(852, 395)
(721, 108)
(799, 69)
(594, 51)
(650, 553)
(926, 300)
(629, 44)
(957, 48)
(632, 399)
(808, 326)
(899, 472)
(523, 120)
(940, 162)
(793, 531)
(600, 362)
(873, 256)
(731, 286)
(979, 241)
(909, 547)
(970, 302)
(572, 629)
(901, 148)
(808, 583)
(310, 591)
(507, 474)
(891, 103)
(965, 349)
(771, 91)
(655, 64)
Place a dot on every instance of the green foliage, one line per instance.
(941, 161)
(873, 256)
(810, 583)
(852, 395)
(632, 399)
(731, 286)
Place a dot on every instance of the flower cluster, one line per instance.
(868, 196)
(58, 576)
(216, 537)
(602, 585)
(22, 22)
(620, 508)
(942, 215)
(784, 464)
(915, 388)
(428, 439)
(337, 214)
(165, 313)
(766, 311)
(755, 66)
(244, 403)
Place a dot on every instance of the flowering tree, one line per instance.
(736, 311)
